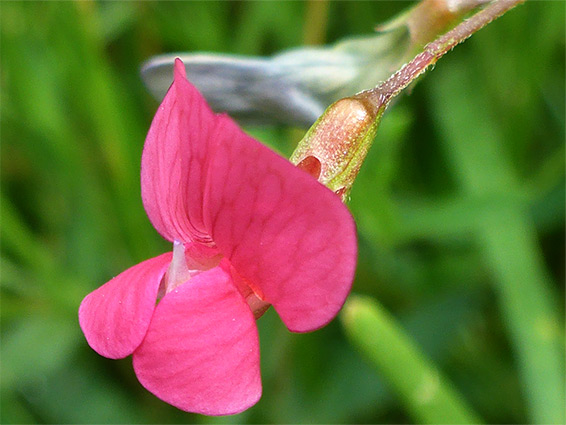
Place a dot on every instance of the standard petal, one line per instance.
(290, 237)
(174, 161)
(115, 317)
(201, 352)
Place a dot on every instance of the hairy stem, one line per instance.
(380, 96)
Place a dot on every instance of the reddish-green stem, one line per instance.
(380, 96)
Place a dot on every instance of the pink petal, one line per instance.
(201, 352)
(285, 233)
(174, 161)
(115, 317)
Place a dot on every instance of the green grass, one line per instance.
(459, 206)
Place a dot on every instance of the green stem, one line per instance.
(316, 21)
(427, 394)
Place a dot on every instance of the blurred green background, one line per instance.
(460, 212)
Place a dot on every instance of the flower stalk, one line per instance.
(335, 147)
(382, 94)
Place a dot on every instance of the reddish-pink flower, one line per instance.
(249, 230)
